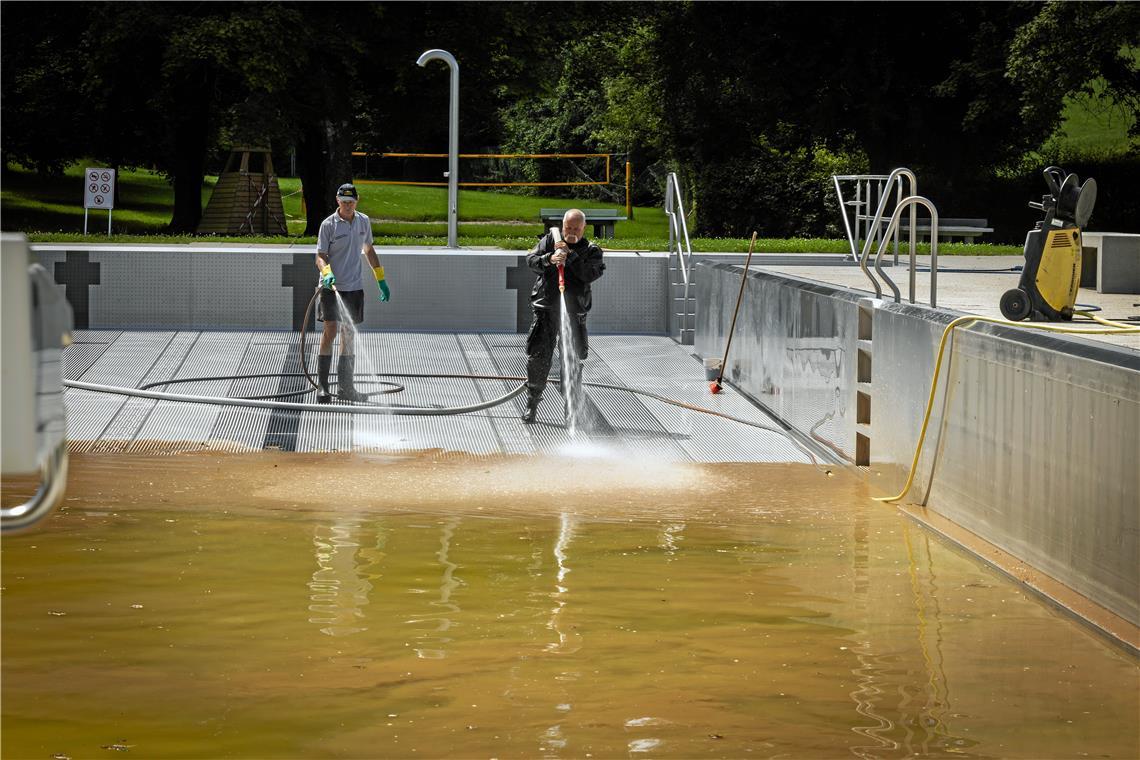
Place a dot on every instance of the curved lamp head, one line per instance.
(435, 54)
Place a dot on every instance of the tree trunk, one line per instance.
(191, 143)
(187, 201)
(325, 163)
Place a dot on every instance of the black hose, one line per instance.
(396, 387)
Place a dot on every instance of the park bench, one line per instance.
(603, 219)
(948, 228)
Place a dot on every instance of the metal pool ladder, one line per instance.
(682, 314)
(876, 188)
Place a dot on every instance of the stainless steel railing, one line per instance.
(869, 190)
(679, 244)
(53, 474)
(875, 223)
(911, 202)
(36, 326)
(869, 227)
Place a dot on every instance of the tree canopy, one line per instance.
(755, 104)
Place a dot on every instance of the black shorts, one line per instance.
(329, 311)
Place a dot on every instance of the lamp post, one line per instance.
(452, 142)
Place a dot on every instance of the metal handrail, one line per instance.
(49, 324)
(842, 212)
(46, 498)
(858, 202)
(679, 241)
(892, 227)
(678, 231)
(874, 229)
(876, 223)
(881, 187)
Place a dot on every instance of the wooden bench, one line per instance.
(948, 228)
(603, 219)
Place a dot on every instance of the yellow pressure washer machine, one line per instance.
(1047, 291)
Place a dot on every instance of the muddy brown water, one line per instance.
(281, 605)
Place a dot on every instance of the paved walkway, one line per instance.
(970, 284)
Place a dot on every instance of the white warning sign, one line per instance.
(99, 188)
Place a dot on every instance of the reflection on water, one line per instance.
(671, 534)
(565, 533)
(443, 607)
(552, 738)
(337, 591)
(771, 612)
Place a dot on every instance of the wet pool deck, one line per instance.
(102, 422)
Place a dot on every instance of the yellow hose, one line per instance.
(1115, 328)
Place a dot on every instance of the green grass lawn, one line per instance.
(50, 210)
(1096, 123)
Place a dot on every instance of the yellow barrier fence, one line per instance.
(607, 156)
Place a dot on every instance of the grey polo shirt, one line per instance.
(343, 242)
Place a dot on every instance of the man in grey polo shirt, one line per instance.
(343, 236)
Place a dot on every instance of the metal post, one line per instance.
(628, 200)
(452, 142)
(84, 221)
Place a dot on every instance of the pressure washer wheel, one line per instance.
(1015, 304)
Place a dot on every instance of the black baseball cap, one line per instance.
(347, 192)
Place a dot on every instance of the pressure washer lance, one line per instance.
(715, 386)
(328, 280)
(557, 235)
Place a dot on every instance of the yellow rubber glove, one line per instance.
(328, 279)
(385, 293)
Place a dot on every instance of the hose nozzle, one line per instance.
(556, 236)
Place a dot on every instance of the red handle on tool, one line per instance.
(561, 279)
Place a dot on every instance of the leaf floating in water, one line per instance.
(118, 747)
(60, 756)
(57, 614)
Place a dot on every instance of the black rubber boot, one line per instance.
(324, 366)
(531, 409)
(345, 383)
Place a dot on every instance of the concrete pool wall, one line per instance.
(137, 287)
(1032, 441)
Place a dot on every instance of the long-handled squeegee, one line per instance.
(715, 385)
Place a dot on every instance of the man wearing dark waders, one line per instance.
(582, 264)
(340, 241)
